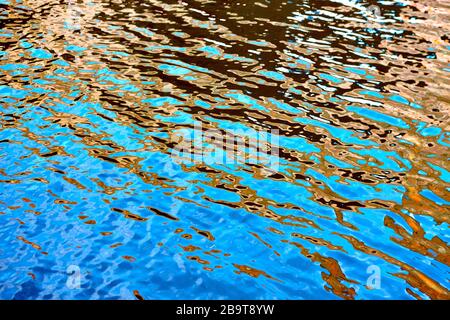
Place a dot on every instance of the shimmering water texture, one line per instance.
(93, 205)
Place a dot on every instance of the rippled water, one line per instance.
(93, 205)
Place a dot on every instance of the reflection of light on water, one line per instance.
(109, 87)
(374, 11)
(73, 19)
(78, 14)
(69, 19)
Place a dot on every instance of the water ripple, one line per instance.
(96, 95)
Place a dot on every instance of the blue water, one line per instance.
(352, 201)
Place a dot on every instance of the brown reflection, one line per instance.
(111, 53)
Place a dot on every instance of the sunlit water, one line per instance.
(93, 205)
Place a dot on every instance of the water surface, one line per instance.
(92, 92)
